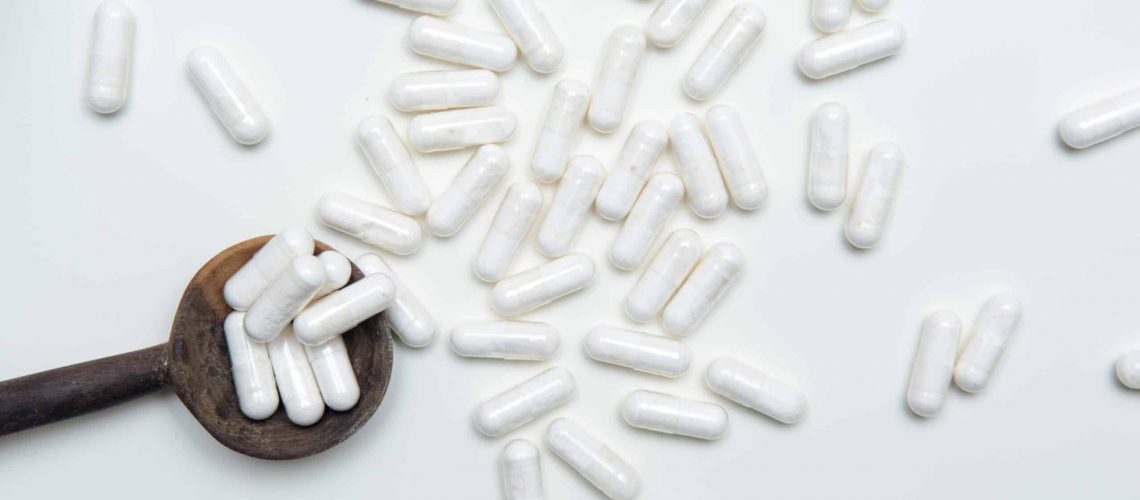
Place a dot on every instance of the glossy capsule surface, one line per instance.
(446, 89)
(531, 32)
(595, 461)
(230, 100)
(461, 44)
(248, 283)
(411, 320)
(617, 72)
(669, 414)
(752, 388)
(707, 284)
(297, 284)
(635, 164)
(571, 205)
(672, 19)
(542, 285)
(460, 128)
(513, 340)
(739, 165)
(993, 329)
(372, 224)
(847, 50)
(296, 383)
(654, 207)
(342, 310)
(871, 208)
(668, 269)
(638, 351)
(522, 403)
(830, 16)
(828, 159)
(109, 63)
(698, 167)
(934, 363)
(1102, 120)
(1128, 370)
(468, 190)
(726, 50)
(559, 130)
(508, 230)
(253, 372)
(393, 165)
(522, 473)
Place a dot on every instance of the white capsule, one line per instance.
(702, 289)
(634, 165)
(333, 370)
(522, 475)
(393, 164)
(738, 162)
(873, 199)
(372, 224)
(664, 275)
(728, 47)
(342, 310)
(754, 389)
(873, 5)
(673, 415)
(512, 222)
(516, 340)
(522, 403)
(934, 363)
(621, 58)
(461, 44)
(460, 128)
(1128, 370)
(295, 380)
(284, 298)
(993, 328)
(253, 372)
(248, 283)
(337, 272)
(410, 319)
(447, 89)
(559, 130)
(230, 100)
(109, 66)
(1101, 120)
(531, 32)
(827, 163)
(847, 50)
(639, 351)
(571, 205)
(542, 285)
(671, 20)
(697, 164)
(433, 7)
(593, 460)
(468, 190)
(652, 211)
(830, 15)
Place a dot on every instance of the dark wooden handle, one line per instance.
(54, 395)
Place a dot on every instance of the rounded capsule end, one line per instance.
(1128, 370)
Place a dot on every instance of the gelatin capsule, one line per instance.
(522, 403)
(468, 190)
(248, 283)
(559, 130)
(447, 89)
(285, 298)
(877, 191)
(593, 460)
(698, 167)
(253, 372)
(1102, 120)
(460, 44)
(531, 32)
(993, 328)
(509, 228)
(230, 100)
(109, 64)
(671, 20)
(827, 162)
(728, 48)
(737, 159)
(342, 310)
(638, 351)
(634, 165)
(703, 289)
(542, 285)
(571, 205)
(654, 208)
(460, 128)
(668, 269)
(410, 319)
(514, 340)
(934, 363)
(296, 383)
(621, 59)
(372, 224)
(668, 414)
(754, 389)
(847, 50)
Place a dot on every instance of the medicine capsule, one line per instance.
(542, 285)
(934, 363)
(847, 50)
(666, 272)
(593, 460)
(877, 191)
(410, 319)
(284, 298)
(460, 44)
(516, 340)
(230, 100)
(468, 190)
(460, 128)
(639, 351)
(738, 162)
(109, 66)
(522, 403)
(830, 15)
(649, 215)
(332, 369)
(447, 89)
(671, 20)
(559, 130)
(295, 380)
(1128, 370)
(827, 163)
(342, 310)
(522, 475)
(393, 164)
(531, 32)
(253, 372)
(433, 7)
(635, 164)
(702, 289)
(571, 204)
(372, 224)
(754, 389)
(509, 228)
(337, 272)
(621, 58)
(697, 165)
(873, 5)
(668, 414)
(1102, 120)
(728, 47)
(248, 283)
(993, 328)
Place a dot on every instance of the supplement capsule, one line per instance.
(827, 163)
(447, 89)
(650, 214)
(248, 283)
(830, 15)
(701, 291)
(460, 128)
(571, 204)
(393, 164)
(522, 403)
(593, 460)
(295, 380)
(284, 299)
(672, 19)
(877, 191)
(559, 130)
(512, 222)
(468, 190)
(993, 328)
(433, 7)
(342, 310)
(337, 272)
(754, 389)
(873, 5)
(1128, 370)
(847, 50)
(515, 340)
(372, 224)
(1101, 120)
(667, 414)
(230, 100)
(738, 162)
(460, 44)
(621, 58)
(934, 363)
(639, 351)
(410, 319)
(728, 47)
(109, 66)
(253, 372)
(522, 476)
(635, 164)
(664, 275)
(697, 165)
(542, 285)
(531, 32)
(330, 362)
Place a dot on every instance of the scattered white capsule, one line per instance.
(333, 370)
(433, 7)
(393, 164)
(738, 162)
(754, 389)
(871, 207)
(934, 363)
(697, 164)
(248, 283)
(468, 190)
(230, 100)
(993, 328)
(1101, 120)
(639, 351)
(1128, 370)
(460, 128)
(827, 163)
(342, 310)
(253, 372)
(847, 50)
(664, 275)
(559, 130)
(531, 32)
(285, 298)
(460, 44)
(446, 89)
(542, 285)
(873, 5)
(702, 289)
(593, 460)
(522, 403)
(652, 211)
(295, 380)
(410, 319)
(634, 165)
(512, 222)
(830, 15)
(337, 272)
(372, 224)
(621, 58)
(516, 340)
(522, 475)
(109, 67)
(728, 47)
(668, 414)
(671, 20)
(571, 204)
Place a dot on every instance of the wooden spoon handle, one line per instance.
(46, 397)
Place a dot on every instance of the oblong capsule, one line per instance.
(515, 340)
(296, 383)
(827, 162)
(230, 100)
(871, 207)
(1128, 370)
(703, 289)
(333, 370)
(671, 20)
(593, 460)
(666, 272)
(522, 474)
(873, 5)
(468, 190)
(654, 208)
(559, 130)
(445, 89)
(634, 165)
(542, 285)
(738, 162)
(461, 44)
(727, 48)
(372, 224)
(571, 204)
(621, 59)
(752, 388)
(522, 403)
(433, 7)
(340, 311)
(847, 50)
(638, 351)
(109, 64)
(934, 363)
(248, 283)
(337, 272)
(669, 414)
(253, 372)
(697, 165)
(1101, 120)
(531, 32)
(830, 16)
(285, 298)
(993, 329)
(392, 163)
(509, 228)
(410, 319)
(460, 128)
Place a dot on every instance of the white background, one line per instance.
(108, 217)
